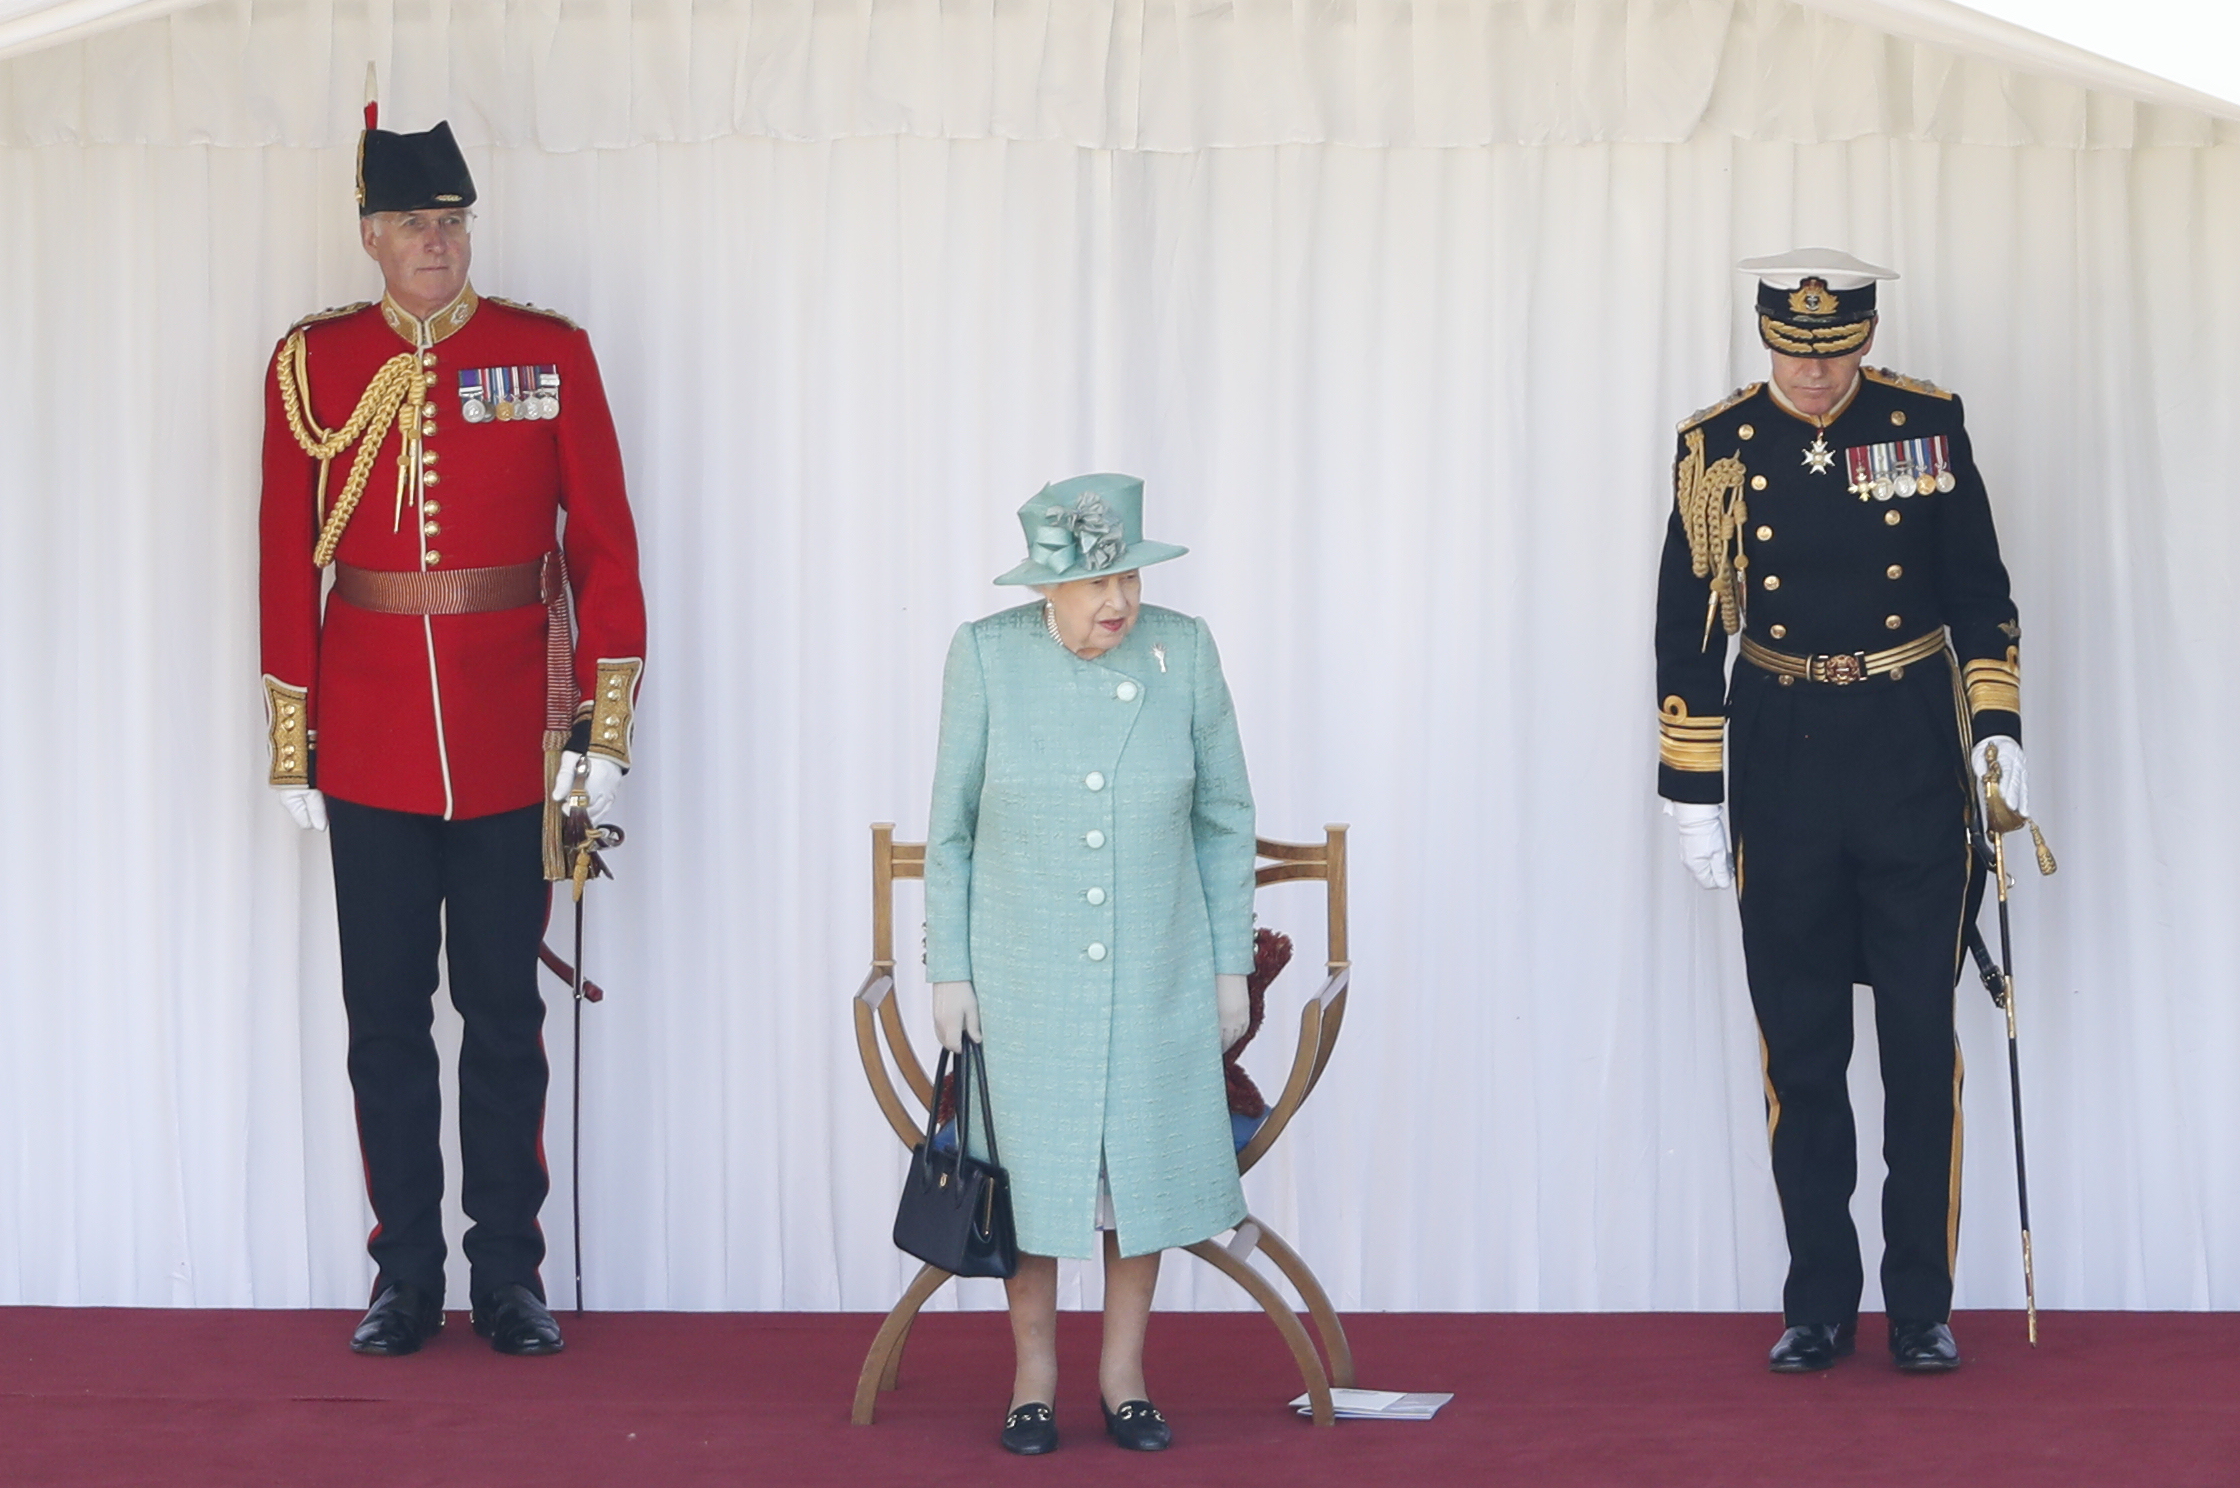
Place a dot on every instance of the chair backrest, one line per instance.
(878, 1019)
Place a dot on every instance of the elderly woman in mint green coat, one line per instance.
(1089, 876)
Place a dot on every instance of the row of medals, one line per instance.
(1903, 482)
(534, 406)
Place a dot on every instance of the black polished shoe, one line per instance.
(1137, 1425)
(1924, 1348)
(1805, 1347)
(1030, 1430)
(401, 1319)
(516, 1321)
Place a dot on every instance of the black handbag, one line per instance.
(956, 1209)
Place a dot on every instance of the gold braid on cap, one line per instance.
(394, 386)
(1813, 341)
(1712, 512)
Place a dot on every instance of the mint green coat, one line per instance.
(1089, 862)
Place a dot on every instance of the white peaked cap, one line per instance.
(1833, 267)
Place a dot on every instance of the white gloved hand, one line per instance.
(2014, 776)
(306, 805)
(1703, 842)
(1232, 1001)
(600, 784)
(956, 1015)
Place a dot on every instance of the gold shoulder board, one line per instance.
(335, 314)
(533, 310)
(1889, 378)
(1729, 401)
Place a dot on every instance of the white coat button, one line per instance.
(1095, 896)
(1096, 950)
(1094, 839)
(1095, 780)
(1126, 692)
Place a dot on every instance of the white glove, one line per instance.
(2014, 777)
(600, 784)
(306, 805)
(1232, 1001)
(956, 1015)
(1703, 842)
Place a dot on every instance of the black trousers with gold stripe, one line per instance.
(1852, 863)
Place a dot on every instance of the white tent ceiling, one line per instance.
(28, 26)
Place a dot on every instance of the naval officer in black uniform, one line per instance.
(1833, 518)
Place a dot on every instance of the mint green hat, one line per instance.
(1085, 528)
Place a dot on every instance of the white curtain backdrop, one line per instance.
(1395, 318)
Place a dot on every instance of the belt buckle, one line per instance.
(1844, 669)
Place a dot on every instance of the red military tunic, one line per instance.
(445, 713)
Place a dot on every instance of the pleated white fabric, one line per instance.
(1410, 405)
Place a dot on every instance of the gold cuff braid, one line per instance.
(1694, 745)
(611, 706)
(1995, 686)
(287, 722)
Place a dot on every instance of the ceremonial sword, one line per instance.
(1998, 980)
(582, 839)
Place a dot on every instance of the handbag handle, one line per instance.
(970, 1060)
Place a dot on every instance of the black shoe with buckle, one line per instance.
(1805, 1347)
(401, 1318)
(1031, 1429)
(1924, 1348)
(516, 1321)
(1138, 1426)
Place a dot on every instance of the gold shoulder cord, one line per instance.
(394, 386)
(1712, 512)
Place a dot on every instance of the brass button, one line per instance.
(428, 478)
(428, 429)
(1898, 417)
(427, 379)
(429, 508)
(1773, 581)
(1778, 631)
(1894, 571)
(1892, 517)
(434, 557)
(427, 359)
(1897, 674)
(1757, 483)
(1765, 533)
(1747, 432)
(427, 410)
(427, 457)
(607, 734)
(430, 529)
(1787, 680)
(1891, 622)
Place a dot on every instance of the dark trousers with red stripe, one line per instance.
(407, 886)
(1852, 854)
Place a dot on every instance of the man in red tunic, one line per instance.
(432, 705)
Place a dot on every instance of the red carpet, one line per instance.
(101, 1396)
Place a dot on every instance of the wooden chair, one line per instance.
(879, 1020)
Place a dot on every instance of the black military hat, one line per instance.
(1815, 302)
(411, 172)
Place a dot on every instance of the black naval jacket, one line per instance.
(1887, 541)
